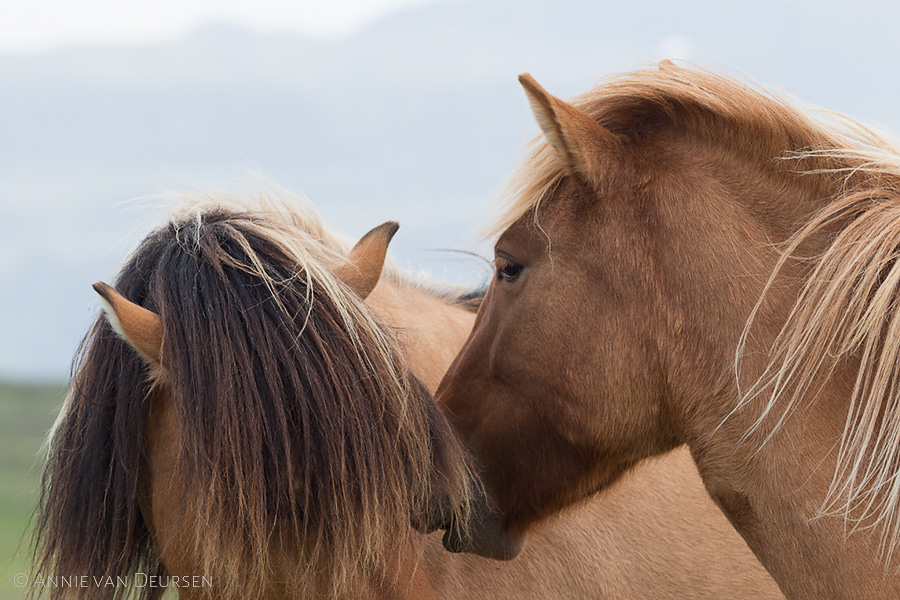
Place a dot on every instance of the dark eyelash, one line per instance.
(506, 269)
(501, 263)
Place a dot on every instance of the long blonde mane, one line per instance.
(846, 313)
(847, 309)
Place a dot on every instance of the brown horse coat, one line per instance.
(687, 260)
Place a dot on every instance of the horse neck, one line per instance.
(770, 489)
(731, 218)
(431, 330)
(412, 583)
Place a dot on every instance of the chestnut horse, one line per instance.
(655, 535)
(687, 260)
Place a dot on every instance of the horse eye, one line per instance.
(507, 270)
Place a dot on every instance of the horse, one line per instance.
(686, 259)
(655, 535)
(217, 253)
(241, 427)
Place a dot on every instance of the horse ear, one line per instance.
(141, 328)
(362, 270)
(584, 145)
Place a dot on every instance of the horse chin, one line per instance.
(482, 532)
(490, 540)
(485, 532)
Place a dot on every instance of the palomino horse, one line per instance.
(690, 261)
(633, 542)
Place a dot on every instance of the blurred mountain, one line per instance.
(418, 118)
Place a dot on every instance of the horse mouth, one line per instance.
(489, 540)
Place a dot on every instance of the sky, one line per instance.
(42, 25)
(383, 109)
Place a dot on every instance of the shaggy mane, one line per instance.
(308, 445)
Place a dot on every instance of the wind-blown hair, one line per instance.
(693, 103)
(846, 314)
(306, 440)
(847, 308)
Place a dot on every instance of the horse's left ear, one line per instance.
(140, 328)
(364, 263)
(585, 146)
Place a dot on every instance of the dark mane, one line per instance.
(472, 299)
(304, 432)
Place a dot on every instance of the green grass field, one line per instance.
(26, 413)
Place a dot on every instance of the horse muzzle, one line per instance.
(484, 534)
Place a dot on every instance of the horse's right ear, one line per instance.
(140, 328)
(365, 262)
(585, 146)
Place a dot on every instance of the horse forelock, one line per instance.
(306, 439)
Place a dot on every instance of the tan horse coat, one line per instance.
(654, 535)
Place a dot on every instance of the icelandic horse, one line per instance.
(687, 260)
(654, 535)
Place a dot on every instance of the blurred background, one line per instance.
(373, 109)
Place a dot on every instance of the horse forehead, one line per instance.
(556, 219)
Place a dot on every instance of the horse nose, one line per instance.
(484, 534)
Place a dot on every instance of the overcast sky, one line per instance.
(41, 25)
(381, 109)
